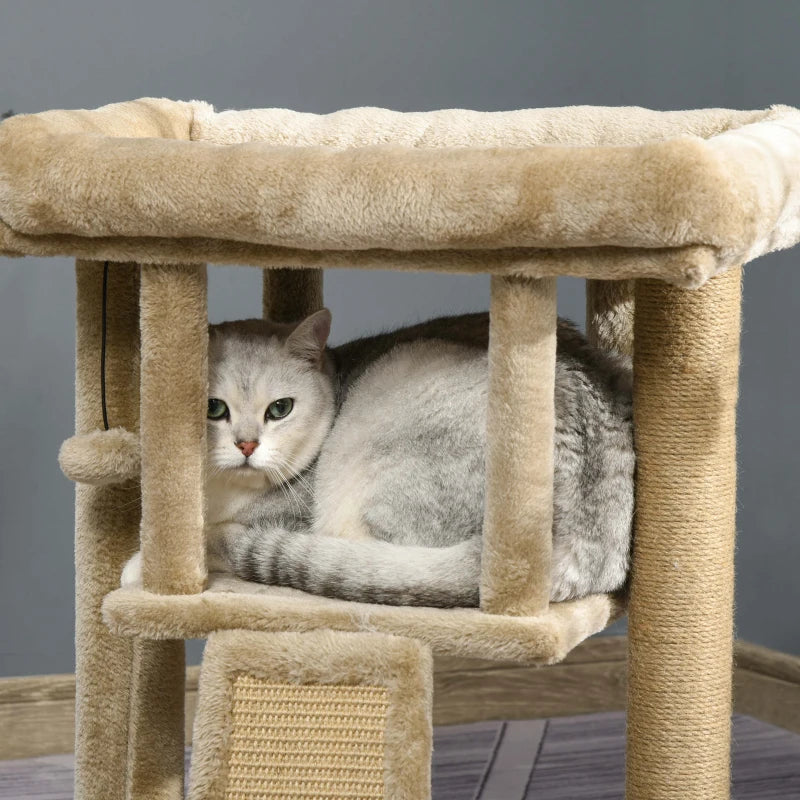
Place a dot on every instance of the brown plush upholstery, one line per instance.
(518, 520)
(290, 295)
(174, 399)
(106, 534)
(371, 179)
(232, 603)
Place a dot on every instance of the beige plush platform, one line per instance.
(159, 180)
(233, 603)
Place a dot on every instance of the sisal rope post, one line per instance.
(518, 518)
(289, 295)
(106, 530)
(609, 315)
(686, 359)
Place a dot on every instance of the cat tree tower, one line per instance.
(304, 696)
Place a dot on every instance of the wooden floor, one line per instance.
(569, 758)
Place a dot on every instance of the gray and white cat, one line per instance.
(357, 472)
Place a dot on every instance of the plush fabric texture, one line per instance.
(174, 399)
(609, 315)
(373, 179)
(399, 670)
(156, 728)
(688, 267)
(129, 694)
(101, 457)
(686, 363)
(290, 295)
(106, 533)
(232, 603)
(518, 518)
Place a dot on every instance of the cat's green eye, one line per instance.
(280, 408)
(217, 409)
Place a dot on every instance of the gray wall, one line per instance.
(411, 55)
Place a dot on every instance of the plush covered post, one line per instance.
(291, 294)
(518, 520)
(106, 530)
(609, 315)
(174, 326)
(156, 733)
(686, 358)
(174, 331)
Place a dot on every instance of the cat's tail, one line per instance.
(367, 571)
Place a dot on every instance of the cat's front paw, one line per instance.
(132, 571)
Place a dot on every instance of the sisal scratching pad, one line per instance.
(333, 716)
(294, 742)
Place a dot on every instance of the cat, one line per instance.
(357, 472)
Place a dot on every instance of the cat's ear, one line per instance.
(308, 339)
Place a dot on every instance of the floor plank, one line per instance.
(565, 758)
(461, 757)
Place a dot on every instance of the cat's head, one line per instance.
(271, 398)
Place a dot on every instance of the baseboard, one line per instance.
(37, 714)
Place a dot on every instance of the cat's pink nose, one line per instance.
(247, 448)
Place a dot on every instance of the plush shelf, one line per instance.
(229, 603)
(582, 191)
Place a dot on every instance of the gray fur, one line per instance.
(383, 461)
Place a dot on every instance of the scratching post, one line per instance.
(686, 361)
(106, 530)
(518, 522)
(291, 294)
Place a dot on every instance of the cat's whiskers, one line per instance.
(301, 504)
(291, 491)
(281, 484)
(297, 474)
(299, 478)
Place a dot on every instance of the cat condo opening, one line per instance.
(658, 210)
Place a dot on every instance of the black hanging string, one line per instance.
(103, 346)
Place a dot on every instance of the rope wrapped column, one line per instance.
(174, 380)
(686, 358)
(290, 295)
(518, 520)
(106, 529)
